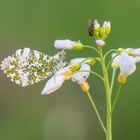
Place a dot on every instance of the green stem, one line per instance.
(112, 81)
(108, 97)
(116, 98)
(91, 47)
(96, 111)
(108, 52)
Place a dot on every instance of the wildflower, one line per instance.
(127, 66)
(81, 77)
(67, 73)
(68, 44)
(100, 33)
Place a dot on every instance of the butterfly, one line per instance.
(26, 67)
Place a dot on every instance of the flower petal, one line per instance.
(53, 84)
(81, 77)
(135, 52)
(127, 64)
(79, 60)
(76, 60)
(64, 44)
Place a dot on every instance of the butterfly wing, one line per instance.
(26, 67)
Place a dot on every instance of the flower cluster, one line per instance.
(100, 33)
(126, 60)
(26, 67)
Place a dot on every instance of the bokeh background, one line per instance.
(67, 113)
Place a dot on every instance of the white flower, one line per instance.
(66, 73)
(81, 77)
(127, 66)
(135, 53)
(100, 42)
(68, 44)
(126, 63)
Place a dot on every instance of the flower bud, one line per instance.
(75, 67)
(122, 79)
(68, 44)
(77, 46)
(100, 42)
(107, 27)
(85, 87)
(93, 28)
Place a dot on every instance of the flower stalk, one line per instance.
(96, 111)
(108, 97)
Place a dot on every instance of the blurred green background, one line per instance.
(67, 113)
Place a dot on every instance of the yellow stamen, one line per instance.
(68, 75)
(122, 79)
(85, 86)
